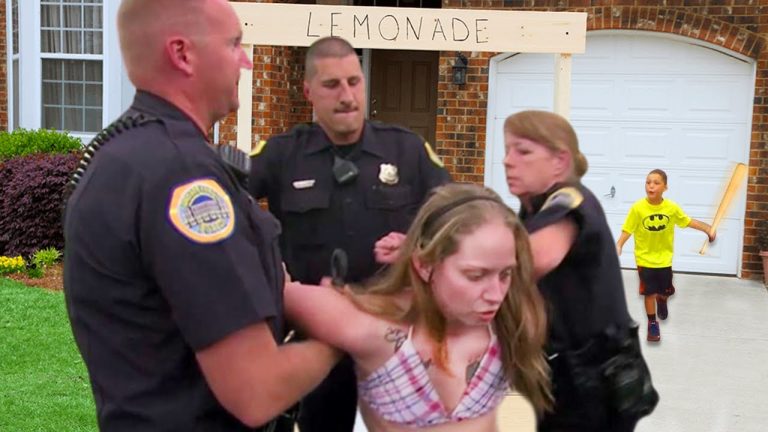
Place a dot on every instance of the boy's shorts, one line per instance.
(656, 281)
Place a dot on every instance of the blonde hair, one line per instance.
(452, 212)
(550, 130)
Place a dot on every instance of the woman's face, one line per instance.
(470, 285)
(531, 168)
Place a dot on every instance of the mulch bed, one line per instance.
(53, 278)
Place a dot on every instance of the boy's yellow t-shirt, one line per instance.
(654, 229)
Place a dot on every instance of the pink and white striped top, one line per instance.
(401, 392)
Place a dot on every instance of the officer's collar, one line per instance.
(367, 142)
(183, 125)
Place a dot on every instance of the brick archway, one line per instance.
(678, 22)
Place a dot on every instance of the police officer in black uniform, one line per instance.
(173, 276)
(599, 378)
(341, 183)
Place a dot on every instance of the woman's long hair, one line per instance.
(452, 212)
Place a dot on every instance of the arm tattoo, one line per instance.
(471, 369)
(396, 336)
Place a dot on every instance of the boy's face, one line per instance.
(654, 186)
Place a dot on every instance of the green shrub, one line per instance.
(46, 257)
(42, 259)
(23, 142)
(10, 265)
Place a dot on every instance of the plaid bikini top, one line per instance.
(401, 392)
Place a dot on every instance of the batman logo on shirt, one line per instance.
(656, 222)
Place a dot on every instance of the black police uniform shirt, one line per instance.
(585, 293)
(165, 255)
(397, 169)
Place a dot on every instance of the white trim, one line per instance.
(9, 63)
(112, 64)
(245, 112)
(679, 38)
(116, 90)
(30, 106)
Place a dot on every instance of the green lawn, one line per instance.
(43, 382)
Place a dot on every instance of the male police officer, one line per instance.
(173, 277)
(342, 182)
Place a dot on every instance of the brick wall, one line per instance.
(738, 25)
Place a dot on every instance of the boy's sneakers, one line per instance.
(654, 333)
(661, 307)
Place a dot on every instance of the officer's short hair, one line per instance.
(330, 46)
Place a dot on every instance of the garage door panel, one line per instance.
(710, 147)
(720, 256)
(598, 143)
(593, 97)
(644, 98)
(648, 146)
(729, 105)
(699, 193)
(630, 187)
(600, 181)
(526, 92)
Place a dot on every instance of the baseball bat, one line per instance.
(739, 172)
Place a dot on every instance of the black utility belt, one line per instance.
(610, 367)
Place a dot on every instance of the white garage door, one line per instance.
(641, 102)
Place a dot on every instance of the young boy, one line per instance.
(652, 220)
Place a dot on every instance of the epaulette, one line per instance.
(237, 161)
(295, 132)
(258, 148)
(128, 121)
(558, 205)
(568, 197)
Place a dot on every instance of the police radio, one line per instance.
(344, 171)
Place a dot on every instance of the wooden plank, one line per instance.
(414, 28)
(563, 66)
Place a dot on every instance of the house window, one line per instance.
(71, 51)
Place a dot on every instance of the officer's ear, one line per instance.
(307, 94)
(178, 51)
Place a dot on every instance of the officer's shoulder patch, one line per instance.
(568, 197)
(259, 148)
(432, 155)
(202, 211)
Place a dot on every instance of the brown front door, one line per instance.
(404, 89)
